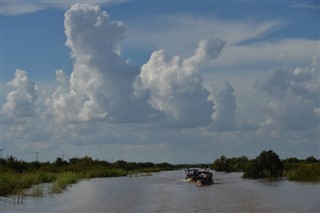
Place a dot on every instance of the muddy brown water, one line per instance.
(167, 192)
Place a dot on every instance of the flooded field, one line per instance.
(167, 192)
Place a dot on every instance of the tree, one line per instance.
(266, 165)
(311, 159)
(221, 165)
(60, 162)
(224, 164)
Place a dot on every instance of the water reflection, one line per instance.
(167, 192)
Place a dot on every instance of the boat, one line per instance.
(192, 175)
(204, 178)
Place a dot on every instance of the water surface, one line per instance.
(167, 192)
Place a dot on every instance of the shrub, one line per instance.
(7, 183)
(305, 172)
(266, 165)
(63, 180)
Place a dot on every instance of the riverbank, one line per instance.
(17, 177)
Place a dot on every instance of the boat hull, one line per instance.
(204, 182)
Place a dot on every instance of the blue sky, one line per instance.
(246, 79)
(45, 45)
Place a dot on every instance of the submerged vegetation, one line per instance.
(17, 176)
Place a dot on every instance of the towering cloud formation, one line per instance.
(100, 86)
(175, 86)
(294, 96)
(21, 101)
(103, 87)
(225, 107)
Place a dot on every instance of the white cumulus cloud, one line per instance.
(100, 86)
(21, 100)
(174, 86)
(224, 107)
(104, 87)
(294, 97)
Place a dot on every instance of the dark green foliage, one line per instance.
(290, 164)
(266, 165)
(302, 170)
(225, 164)
(59, 162)
(221, 165)
(13, 183)
(182, 166)
(16, 175)
(305, 172)
(311, 159)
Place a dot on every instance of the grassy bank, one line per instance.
(17, 176)
(63, 180)
(15, 183)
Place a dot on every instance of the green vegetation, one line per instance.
(269, 165)
(14, 183)
(299, 170)
(16, 176)
(266, 165)
(63, 180)
(229, 164)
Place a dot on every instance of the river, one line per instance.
(167, 192)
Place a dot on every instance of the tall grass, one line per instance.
(17, 177)
(15, 183)
(63, 180)
(7, 183)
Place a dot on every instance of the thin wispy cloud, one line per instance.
(181, 32)
(308, 5)
(13, 8)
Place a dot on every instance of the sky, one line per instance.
(159, 81)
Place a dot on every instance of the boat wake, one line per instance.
(182, 180)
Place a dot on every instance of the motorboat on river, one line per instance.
(205, 178)
(201, 178)
(192, 175)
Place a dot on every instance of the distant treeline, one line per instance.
(80, 165)
(17, 175)
(269, 165)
